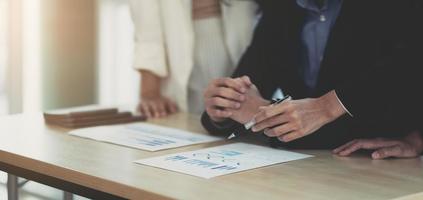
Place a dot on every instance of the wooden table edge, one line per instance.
(69, 180)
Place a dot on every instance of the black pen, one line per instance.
(251, 123)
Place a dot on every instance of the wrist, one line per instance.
(150, 94)
(332, 108)
(150, 85)
(416, 140)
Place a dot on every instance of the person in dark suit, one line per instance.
(340, 60)
(408, 109)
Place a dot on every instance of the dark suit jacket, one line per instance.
(369, 55)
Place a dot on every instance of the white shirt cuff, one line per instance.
(340, 102)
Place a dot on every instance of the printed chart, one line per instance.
(143, 136)
(222, 160)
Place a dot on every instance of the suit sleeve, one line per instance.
(149, 50)
(389, 89)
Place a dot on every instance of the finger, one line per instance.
(228, 93)
(217, 113)
(341, 148)
(280, 130)
(139, 109)
(291, 136)
(154, 110)
(270, 122)
(223, 103)
(242, 82)
(367, 144)
(225, 92)
(247, 81)
(392, 151)
(171, 107)
(271, 111)
(145, 110)
(231, 83)
(352, 148)
(161, 109)
(209, 91)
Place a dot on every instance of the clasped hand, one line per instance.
(233, 98)
(240, 100)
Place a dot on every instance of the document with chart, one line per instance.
(143, 136)
(222, 160)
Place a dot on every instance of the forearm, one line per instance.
(150, 84)
(416, 140)
(152, 103)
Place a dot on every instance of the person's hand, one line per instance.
(223, 95)
(250, 107)
(156, 106)
(152, 103)
(294, 119)
(409, 147)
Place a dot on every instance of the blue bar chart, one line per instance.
(143, 136)
(222, 160)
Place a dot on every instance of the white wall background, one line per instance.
(3, 55)
(13, 27)
(62, 53)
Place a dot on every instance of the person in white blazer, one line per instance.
(180, 45)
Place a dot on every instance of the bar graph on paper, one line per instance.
(222, 160)
(143, 136)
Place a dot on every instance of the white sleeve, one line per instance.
(149, 43)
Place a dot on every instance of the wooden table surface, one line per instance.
(38, 151)
(417, 196)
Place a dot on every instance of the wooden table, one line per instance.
(418, 196)
(31, 149)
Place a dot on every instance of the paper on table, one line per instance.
(222, 160)
(143, 136)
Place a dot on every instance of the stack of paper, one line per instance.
(89, 116)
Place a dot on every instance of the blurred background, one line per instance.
(64, 53)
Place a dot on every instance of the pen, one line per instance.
(250, 124)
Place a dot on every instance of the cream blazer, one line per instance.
(164, 39)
